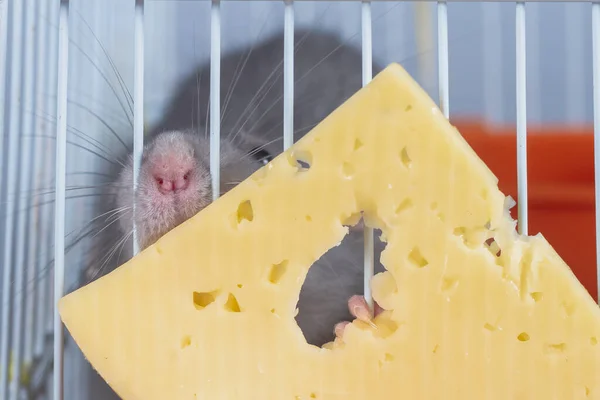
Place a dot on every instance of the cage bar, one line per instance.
(443, 80)
(26, 112)
(49, 163)
(138, 103)
(3, 73)
(596, 78)
(215, 96)
(60, 193)
(367, 75)
(288, 75)
(12, 130)
(35, 252)
(521, 100)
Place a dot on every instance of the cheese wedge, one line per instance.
(474, 311)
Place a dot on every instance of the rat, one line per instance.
(174, 179)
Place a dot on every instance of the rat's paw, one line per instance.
(360, 310)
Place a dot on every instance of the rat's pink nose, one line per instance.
(181, 183)
(166, 186)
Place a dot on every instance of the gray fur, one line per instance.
(326, 74)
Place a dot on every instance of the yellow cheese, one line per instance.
(474, 310)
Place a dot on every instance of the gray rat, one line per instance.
(174, 180)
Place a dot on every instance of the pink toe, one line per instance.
(339, 328)
(358, 308)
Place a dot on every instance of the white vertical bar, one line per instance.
(367, 75)
(138, 103)
(4, 306)
(48, 87)
(575, 76)
(12, 129)
(24, 186)
(36, 303)
(288, 75)
(492, 61)
(215, 95)
(367, 43)
(424, 42)
(60, 193)
(596, 75)
(3, 72)
(521, 118)
(443, 80)
(52, 88)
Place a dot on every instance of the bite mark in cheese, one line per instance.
(473, 311)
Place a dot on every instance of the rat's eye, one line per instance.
(160, 181)
(186, 176)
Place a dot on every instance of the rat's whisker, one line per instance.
(109, 255)
(114, 216)
(79, 146)
(237, 74)
(105, 79)
(124, 88)
(49, 190)
(103, 122)
(81, 196)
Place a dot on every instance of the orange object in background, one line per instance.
(560, 163)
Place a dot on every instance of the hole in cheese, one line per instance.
(347, 170)
(568, 309)
(593, 341)
(489, 327)
(408, 108)
(245, 211)
(186, 341)
(404, 157)
(417, 259)
(204, 299)
(493, 247)
(523, 337)
(357, 144)
(405, 205)
(277, 271)
(448, 284)
(324, 295)
(232, 304)
(537, 296)
(555, 348)
(301, 160)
